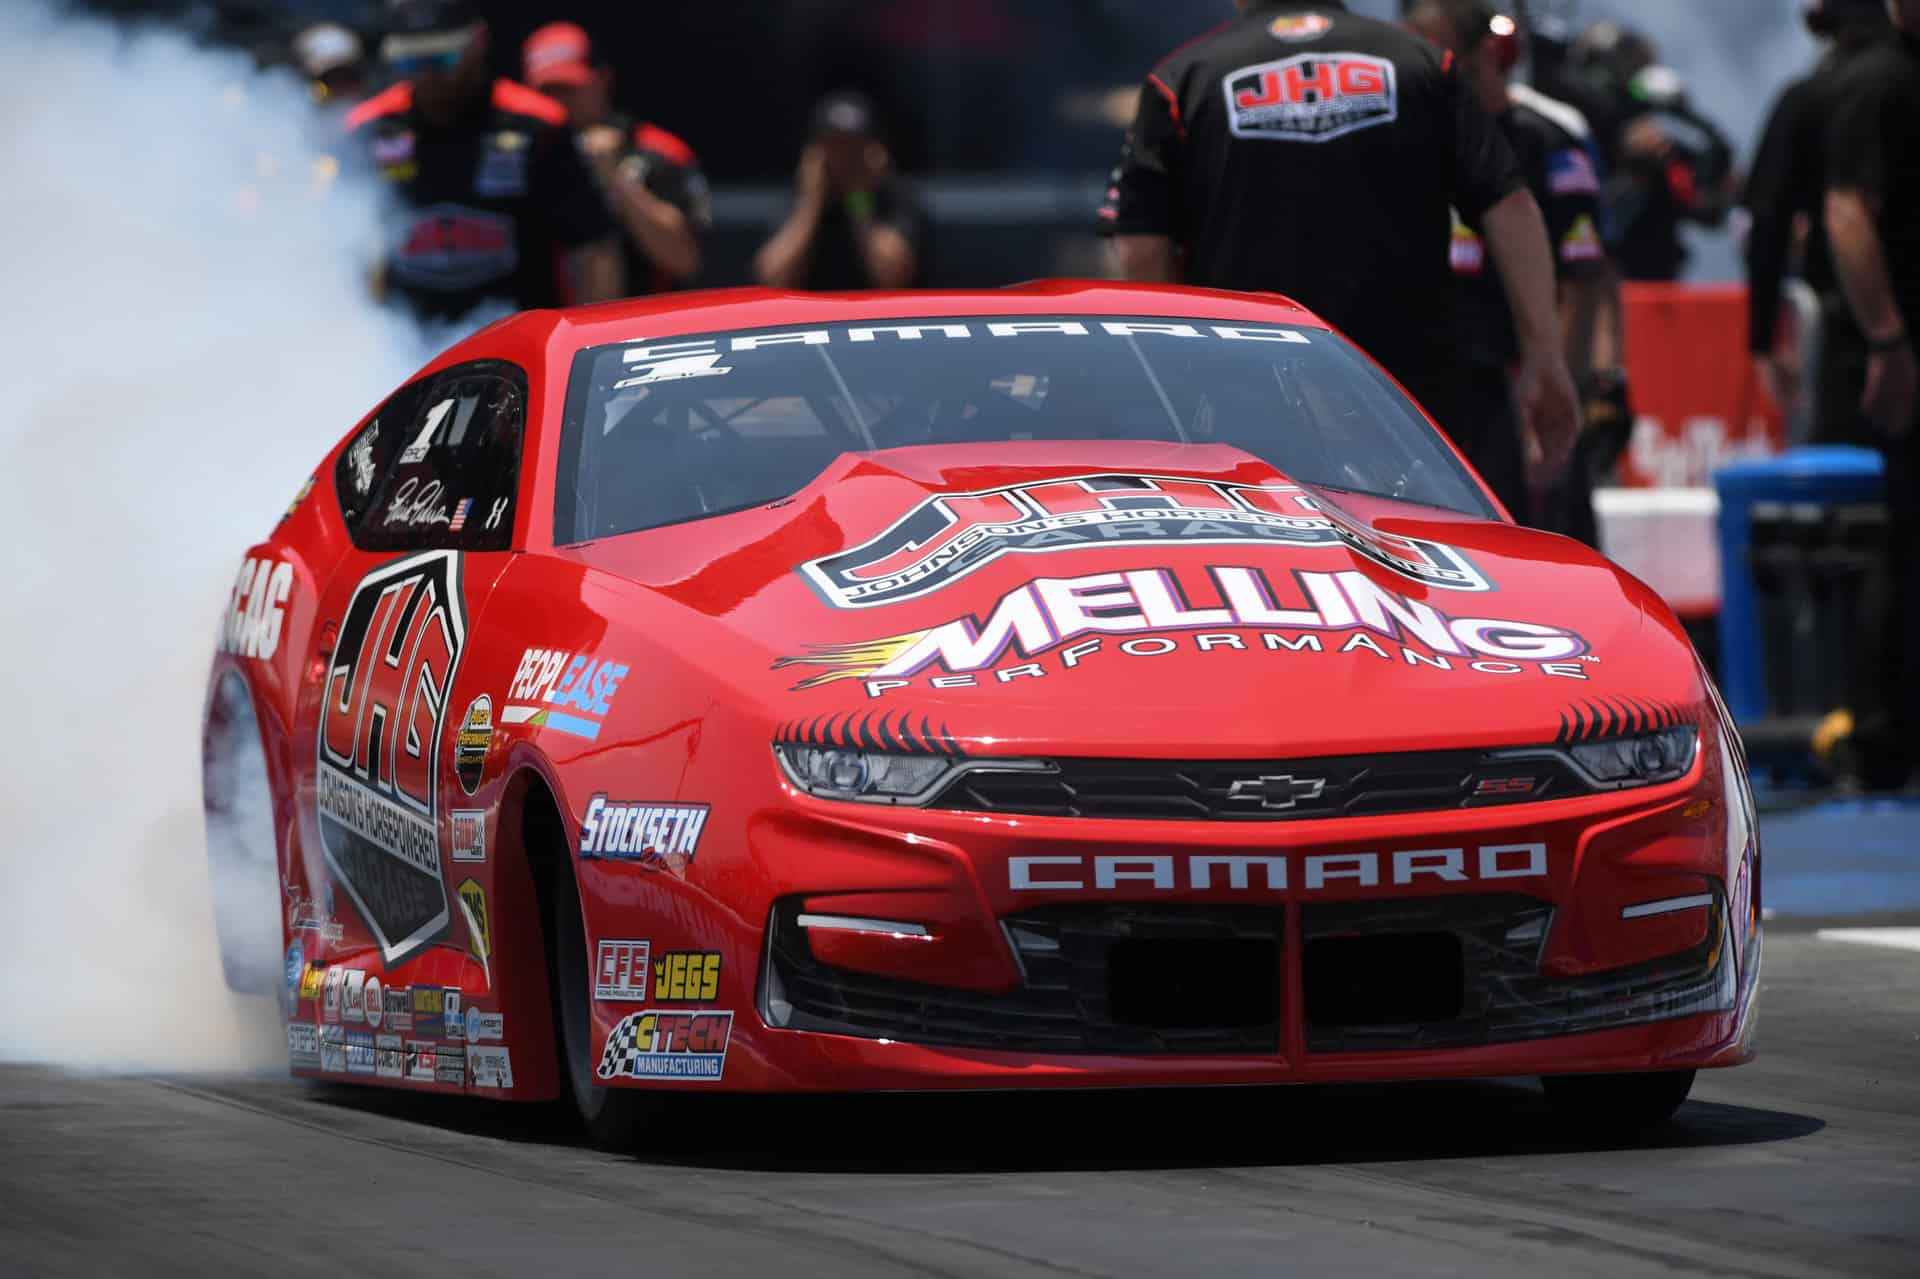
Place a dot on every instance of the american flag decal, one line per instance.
(460, 515)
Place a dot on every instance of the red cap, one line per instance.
(558, 53)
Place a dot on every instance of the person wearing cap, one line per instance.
(1551, 141)
(651, 179)
(334, 61)
(498, 210)
(853, 224)
(1783, 196)
(1308, 151)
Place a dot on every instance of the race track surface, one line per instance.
(1805, 1162)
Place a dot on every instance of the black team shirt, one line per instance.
(489, 204)
(1873, 145)
(1302, 150)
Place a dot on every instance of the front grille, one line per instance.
(1126, 980)
(1365, 993)
(1269, 790)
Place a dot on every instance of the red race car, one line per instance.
(1066, 686)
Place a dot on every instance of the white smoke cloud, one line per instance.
(185, 332)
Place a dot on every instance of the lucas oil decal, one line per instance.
(1311, 97)
(382, 716)
(947, 537)
(1148, 612)
(565, 691)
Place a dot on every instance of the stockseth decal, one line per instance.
(1269, 874)
(687, 976)
(472, 742)
(382, 718)
(663, 1044)
(565, 691)
(655, 835)
(1311, 97)
(945, 538)
(490, 1067)
(257, 608)
(1140, 613)
(469, 835)
(620, 972)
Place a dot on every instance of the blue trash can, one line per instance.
(1813, 479)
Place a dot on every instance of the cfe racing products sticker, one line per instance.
(945, 538)
(381, 719)
(664, 1044)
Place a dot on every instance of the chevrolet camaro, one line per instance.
(1065, 686)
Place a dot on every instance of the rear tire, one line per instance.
(242, 856)
(615, 1118)
(1624, 1103)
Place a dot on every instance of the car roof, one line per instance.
(562, 332)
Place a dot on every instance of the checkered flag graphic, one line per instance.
(624, 1049)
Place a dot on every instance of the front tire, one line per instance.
(615, 1118)
(1624, 1103)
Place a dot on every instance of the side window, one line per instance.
(439, 465)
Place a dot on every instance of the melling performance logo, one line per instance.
(946, 537)
(381, 717)
(1151, 612)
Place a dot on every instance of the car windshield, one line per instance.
(661, 431)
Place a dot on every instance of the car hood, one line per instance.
(1148, 599)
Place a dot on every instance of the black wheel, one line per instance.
(615, 1118)
(1624, 1103)
(242, 860)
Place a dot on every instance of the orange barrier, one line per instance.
(1698, 403)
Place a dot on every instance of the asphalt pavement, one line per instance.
(1805, 1162)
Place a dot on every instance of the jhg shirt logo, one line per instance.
(946, 537)
(1311, 97)
(381, 717)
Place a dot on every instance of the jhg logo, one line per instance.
(1311, 97)
(946, 537)
(382, 711)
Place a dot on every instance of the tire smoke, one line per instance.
(187, 330)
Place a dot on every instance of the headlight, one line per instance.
(1640, 760)
(882, 777)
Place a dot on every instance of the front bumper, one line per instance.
(1534, 950)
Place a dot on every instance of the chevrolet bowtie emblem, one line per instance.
(1283, 791)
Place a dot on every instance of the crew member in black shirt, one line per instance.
(1547, 140)
(1873, 230)
(853, 225)
(498, 207)
(1306, 151)
(651, 180)
(1784, 194)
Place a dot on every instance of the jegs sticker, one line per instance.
(382, 714)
